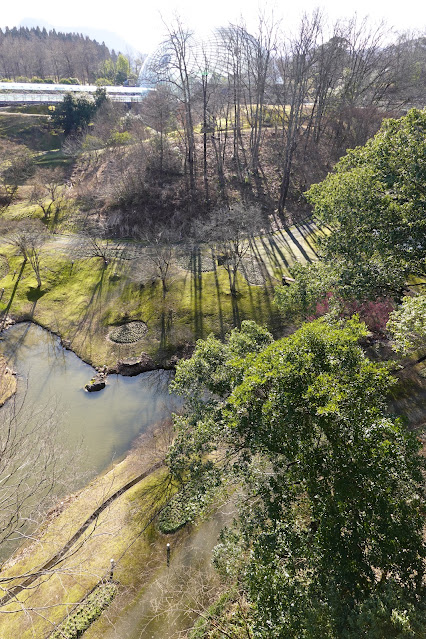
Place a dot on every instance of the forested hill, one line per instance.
(39, 55)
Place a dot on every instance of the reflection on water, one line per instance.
(105, 423)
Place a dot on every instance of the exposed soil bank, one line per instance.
(7, 381)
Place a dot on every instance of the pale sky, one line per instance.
(140, 23)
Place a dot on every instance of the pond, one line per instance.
(103, 424)
(107, 423)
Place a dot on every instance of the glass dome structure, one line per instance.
(223, 52)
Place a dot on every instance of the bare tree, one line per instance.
(206, 87)
(15, 167)
(8, 193)
(179, 48)
(93, 241)
(29, 459)
(161, 251)
(229, 231)
(294, 68)
(28, 238)
(157, 111)
(367, 73)
(258, 52)
(48, 192)
(236, 39)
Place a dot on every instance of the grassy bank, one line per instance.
(31, 130)
(82, 300)
(123, 531)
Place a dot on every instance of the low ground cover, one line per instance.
(123, 531)
(87, 612)
(82, 299)
(29, 129)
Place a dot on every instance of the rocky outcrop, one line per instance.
(5, 322)
(97, 383)
(136, 365)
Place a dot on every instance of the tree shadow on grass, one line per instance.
(219, 300)
(166, 325)
(236, 315)
(307, 229)
(268, 279)
(9, 304)
(296, 242)
(275, 253)
(197, 290)
(91, 311)
(34, 294)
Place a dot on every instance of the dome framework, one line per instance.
(224, 52)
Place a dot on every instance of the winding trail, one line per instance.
(60, 555)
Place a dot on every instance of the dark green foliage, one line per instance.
(407, 325)
(312, 283)
(373, 207)
(190, 502)
(69, 81)
(75, 113)
(385, 614)
(375, 203)
(174, 516)
(333, 486)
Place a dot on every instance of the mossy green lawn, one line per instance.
(29, 129)
(82, 299)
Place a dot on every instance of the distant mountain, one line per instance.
(111, 39)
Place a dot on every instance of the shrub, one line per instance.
(86, 613)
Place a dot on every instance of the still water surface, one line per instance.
(108, 422)
(104, 424)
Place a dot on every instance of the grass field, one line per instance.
(30, 130)
(82, 300)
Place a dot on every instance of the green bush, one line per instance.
(86, 613)
(69, 81)
(185, 506)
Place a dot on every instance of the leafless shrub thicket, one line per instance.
(257, 121)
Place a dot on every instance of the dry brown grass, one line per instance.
(7, 381)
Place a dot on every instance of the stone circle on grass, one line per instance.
(128, 333)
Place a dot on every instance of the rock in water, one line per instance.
(97, 383)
